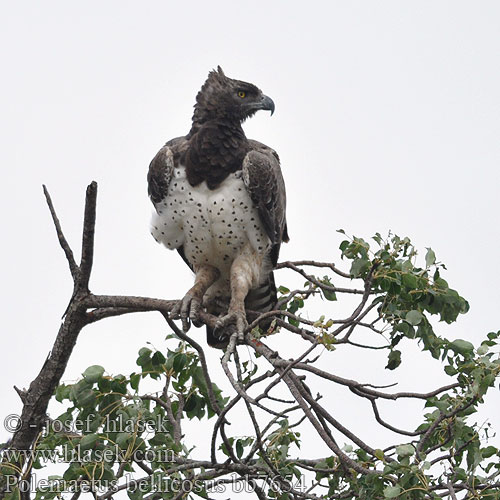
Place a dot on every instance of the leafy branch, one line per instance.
(114, 436)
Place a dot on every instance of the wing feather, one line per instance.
(161, 171)
(264, 182)
(161, 168)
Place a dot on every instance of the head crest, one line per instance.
(222, 97)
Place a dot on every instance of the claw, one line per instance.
(188, 311)
(176, 310)
(233, 317)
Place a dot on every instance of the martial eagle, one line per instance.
(219, 200)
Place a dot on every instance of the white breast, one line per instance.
(213, 226)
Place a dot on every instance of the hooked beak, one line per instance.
(267, 104)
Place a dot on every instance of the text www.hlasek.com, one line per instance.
(68, 454)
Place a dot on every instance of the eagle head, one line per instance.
(221, 97)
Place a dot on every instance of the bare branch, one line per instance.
(88, 235)
(282, 265)
(73, 267)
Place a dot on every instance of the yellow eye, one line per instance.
(242, 94)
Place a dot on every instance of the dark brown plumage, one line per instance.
(220, 201)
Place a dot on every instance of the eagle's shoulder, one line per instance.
(259, 146)
(161, 168)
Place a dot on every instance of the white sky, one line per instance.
(387, 117)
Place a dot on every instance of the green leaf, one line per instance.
(430, 258)
(73, 471)
(379, 454)
(482, 349)
(394, 360)
(409, 280)
(158, 358)
(88, 441)
(14, 494)
(450, 370)
(489, 451)
(239, 448)
(122, 439)
(392, 491)
(62, 392)
(405, 450)
(359, 266)
(144, 356)
(86, 398)
(179, 362)
(462, 347)
(328, 294)
(414, 317)
(93, 373)
(134, 380)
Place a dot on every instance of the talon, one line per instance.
(176, 310)
(186, 303)
(238, 318)
(194, 312)
(188, 311)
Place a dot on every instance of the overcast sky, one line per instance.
(387, 117)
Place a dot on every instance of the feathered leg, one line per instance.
(244, 272)
(189, 307)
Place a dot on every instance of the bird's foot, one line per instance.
(188, 310)
(236, 317)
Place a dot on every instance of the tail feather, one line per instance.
(264, 297)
